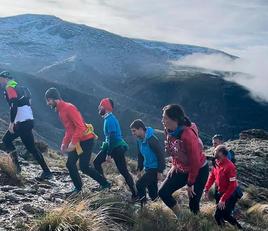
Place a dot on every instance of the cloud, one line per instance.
(251, 69)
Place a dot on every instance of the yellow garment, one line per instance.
(90, 130)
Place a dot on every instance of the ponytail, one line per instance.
(187, 121)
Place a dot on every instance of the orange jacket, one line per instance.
(74, 124)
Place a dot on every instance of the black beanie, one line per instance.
(52, 93)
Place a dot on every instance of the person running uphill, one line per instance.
(150, 157)
(78, 141)
(21, 123)
(189, 165)
(228, 193)
(114, 145)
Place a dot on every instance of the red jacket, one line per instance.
(224, 176)
(73, 123)
(186, 152)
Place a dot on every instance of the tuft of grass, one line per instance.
(158, 218)
(55, 159)
(82, 216)
(258, 194)
(8, 169)
(253, 195)
(258, 215)
(155, 218)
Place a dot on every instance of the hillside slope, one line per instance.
(31, 205)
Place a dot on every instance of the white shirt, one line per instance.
(24, 113)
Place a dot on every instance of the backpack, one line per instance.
(231, 156)
(24, 95)
(23, 92)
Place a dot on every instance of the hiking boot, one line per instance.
(45, 175)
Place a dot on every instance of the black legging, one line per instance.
(84, 163)
(118, 154)
(226, 213)
(148, 180)
(176, 181)
(24, 131)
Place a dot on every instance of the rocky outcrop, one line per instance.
(254, 133)
(252, 161)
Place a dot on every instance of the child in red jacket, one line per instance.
(224, 176)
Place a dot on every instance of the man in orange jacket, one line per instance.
(78, 141)
(224, 176)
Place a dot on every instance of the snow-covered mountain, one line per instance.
(36, 43)
(177, 51)
(39, 44)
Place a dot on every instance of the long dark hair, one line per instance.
(176, 113)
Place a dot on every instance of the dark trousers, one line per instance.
(149, 181)
(226, 213)
(24, 131)
(84, 163)
(176, 181)
(118, 154)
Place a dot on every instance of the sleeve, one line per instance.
(231, 174)
(140, 159)
(211, 180)
(193, 151)
(79, 124)
(13, 111)
(155, 146)
(11, 95)
(67, 137)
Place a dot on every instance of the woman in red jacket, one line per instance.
(224, 176)
(189, 165)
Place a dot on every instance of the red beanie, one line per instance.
(106, 104)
